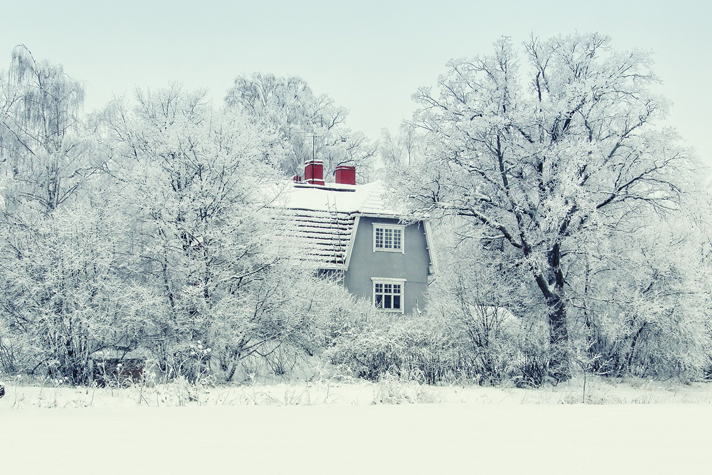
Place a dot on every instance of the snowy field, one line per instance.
(357, 428)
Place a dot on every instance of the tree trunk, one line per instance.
(559, 367)
(633, 343)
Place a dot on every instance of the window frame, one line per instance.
(393, 227)
(389, 281)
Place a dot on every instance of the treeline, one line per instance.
(572, 231)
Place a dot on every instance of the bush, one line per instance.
(487, 346)
(403, 346)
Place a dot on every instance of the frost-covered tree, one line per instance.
(404, 149)
(63, 295)
(41, 142)
(199, 184)
(307, 125)
(545, 151)
(491, 313)
(639, 298)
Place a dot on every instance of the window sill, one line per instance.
(390, 310)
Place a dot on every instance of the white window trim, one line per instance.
(400, 227)
(388, 280)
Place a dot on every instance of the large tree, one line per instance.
(544, 155)
(198, 185)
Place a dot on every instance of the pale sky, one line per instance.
(370, 56)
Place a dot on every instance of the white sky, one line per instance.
(370, 56)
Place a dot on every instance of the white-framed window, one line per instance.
(388, 237)
(389, 294)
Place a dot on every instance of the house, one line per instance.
(346, 229)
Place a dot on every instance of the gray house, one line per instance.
(347, 229)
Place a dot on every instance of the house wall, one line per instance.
(411, 265)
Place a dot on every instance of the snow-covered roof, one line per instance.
(364, 199)
(320, 221)
(321, 238)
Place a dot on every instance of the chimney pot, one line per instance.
(314, 172)
(346, 175)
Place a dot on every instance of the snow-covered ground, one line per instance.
(338, 428)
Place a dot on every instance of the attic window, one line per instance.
(388, 237)
(388, 294)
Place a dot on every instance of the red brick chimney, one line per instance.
(314, 172)
(346, 175)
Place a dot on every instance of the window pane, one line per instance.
(396, 239)
(388, 295)
(388, 244)
(379, 237)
